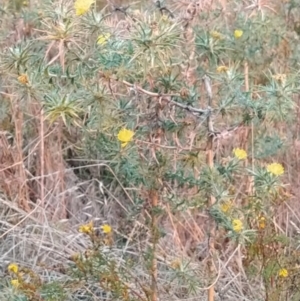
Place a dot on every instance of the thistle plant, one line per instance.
(149, 150)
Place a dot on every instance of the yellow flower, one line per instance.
(175, 264)
(82, 6)
(283, 273)
(15, 282)
(125, 136)
(221, 69)
(87, 228)
(226, 206)
(164, 18)
(237, 225)
(238, 33)
(106, 229)
(75, 256)
(280, 77)
(216, 35)
(13, 267)
(23, 79)
(240, 154)
(102, 39)
(276, 169)
(262, 222)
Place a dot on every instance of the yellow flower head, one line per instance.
(82, 6)
(281, 78)
(87, 228)
(221, 69)
(23, 79)
(75, 256)
(13, 267)
(102, 39)
(164, 18)
(216, 35)
(262, 222)
(240, 154)
(125, 136)
(106, 229)
(175, 264)
(237, 225)
(15, 283)
(283, 273)
(276, 169)
(238, 33)
(226, 206)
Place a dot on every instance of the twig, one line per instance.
(167, 97)
(211, 199)
(163, 9)
(42, 158)
(171, 147)
(153, 195)
(28, 215)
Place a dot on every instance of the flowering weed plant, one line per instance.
(149, 151)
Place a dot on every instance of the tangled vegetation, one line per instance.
(149, 150)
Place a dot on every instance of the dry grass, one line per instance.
(44, 197)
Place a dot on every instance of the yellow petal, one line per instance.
(106, 229)
(221, 69)
(238, 33)
(275, 169)
(13, 267)
(102, 39)
(226, 206)
(125, 135)
(216, 35)
(15, 282)
(240, 153)
(283, 273)
(262, 222)
(23, 79)
(82, 6)
(176, 263)
(87, 228)
(237, 225)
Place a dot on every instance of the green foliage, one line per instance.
(53, 291)
(93, 75)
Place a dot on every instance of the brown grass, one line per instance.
(43, 201)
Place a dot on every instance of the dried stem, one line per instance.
(61, 212)
(22, 183)
(42, 157)
(167, 97)
(249, 187)
(211, 198)
(154, 202)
